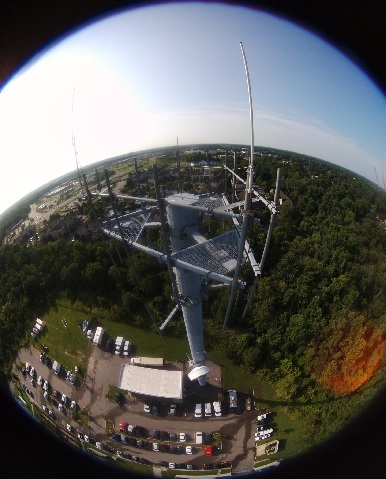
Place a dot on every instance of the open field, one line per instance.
(66, 342)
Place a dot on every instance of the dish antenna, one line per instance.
(191, 258)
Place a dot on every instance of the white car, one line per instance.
(217, 408)
(172, 410)
(27, 367)
(99, 445)
(182, 437)
(189, 450)
(73, 405)
(64, 399)
(155, 447)
(208, 409)
(45, 395)
(32, 372)
(172, 465)
(126, 348)
(146, 407)
(68, 427)
(86, 438)
(44, 407)
(60, 407)
(198, 410)
(45, 385)
(40, 380)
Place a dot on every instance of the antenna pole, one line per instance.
(247, 202)
(178, 168)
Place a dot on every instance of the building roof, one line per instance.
(151, 382)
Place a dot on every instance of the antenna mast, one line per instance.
(247, 201)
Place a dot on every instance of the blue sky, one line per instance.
(144, 77)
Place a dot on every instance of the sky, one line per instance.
(142, 78)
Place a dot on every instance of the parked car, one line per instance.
(172, 409)
(182, 437)
(73, 405)
(164, 436)
(155, 434)
(208, 409)
(248, 403)
(123, 426)
(146, 407)
(199, 438)
(99, 445)
(189, 450)
(207, 438)
(126, 348)
(198, 410)
(155, 447)
(172, 465)
(86, 438)
(117, 437)
(40, 381)
(172, 437)
(154, 410)
(64, 399)
(217, 408)
(68, 427)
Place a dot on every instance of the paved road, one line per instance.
(104, 369)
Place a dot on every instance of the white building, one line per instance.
(158, 383)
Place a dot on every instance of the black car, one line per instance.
(191, 467)
(155, 434)
(110, 343)
(207, 438)
(180, 466)
(173, 449)
(164, 464)
(132, 441)
(119, 398)
(225, 464)
(164, 447)
(164, 436)
(142, 460)
(148, 446)
(141, 431)
(127, 455)
(117, 437)
(180, 449)
(172, 437)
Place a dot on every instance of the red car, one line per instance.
(123, 426)
(208, 450)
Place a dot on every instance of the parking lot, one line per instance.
(237, 430)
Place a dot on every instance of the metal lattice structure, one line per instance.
(190, 257)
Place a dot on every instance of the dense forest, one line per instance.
(316, 328)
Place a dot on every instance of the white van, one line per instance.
(198, 410)
(198, 437)
(208, 409)
(217, 408)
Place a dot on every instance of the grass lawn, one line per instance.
(67, 344)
